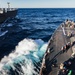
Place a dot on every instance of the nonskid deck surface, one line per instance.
(54, 54)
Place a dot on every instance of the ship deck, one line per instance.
(55, 54)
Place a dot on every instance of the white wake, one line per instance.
(24, 59)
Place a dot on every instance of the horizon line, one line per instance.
(44, 7)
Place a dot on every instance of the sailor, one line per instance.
(70, 72)
(62, 72)
(72, 23)
(44, 71)
(48, 51)
(61, 66)
(69, 62)
(73, 55)
(62, 25)
(46, 54)
(71, 34)
(51, 40)
(68, 45)
(73, 43)
(63, 49)
(66, 22)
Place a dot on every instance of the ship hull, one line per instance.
(56, 55)
(9, 14)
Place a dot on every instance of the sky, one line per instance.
(38, 3)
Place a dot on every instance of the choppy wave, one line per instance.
(25, 59)
(3, 33)
(10, 24)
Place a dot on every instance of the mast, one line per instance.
(8, 4)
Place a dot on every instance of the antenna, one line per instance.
(8, 4)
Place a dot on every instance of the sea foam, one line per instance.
(24, 59)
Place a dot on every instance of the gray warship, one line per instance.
(59, 58)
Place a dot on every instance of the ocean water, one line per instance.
(23, 40)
